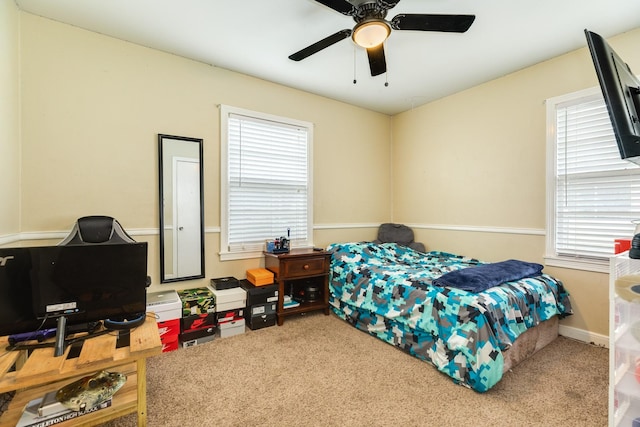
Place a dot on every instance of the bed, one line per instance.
(394, 293)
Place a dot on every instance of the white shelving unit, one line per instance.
(624, 343)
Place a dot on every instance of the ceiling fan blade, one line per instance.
(387, 4)
(342, 6)
(422, 22)
(322, 44)
(377, 63)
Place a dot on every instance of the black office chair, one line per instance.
(97, 229)
(100, 229)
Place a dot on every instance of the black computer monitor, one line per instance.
(82, 283)
(16, 307)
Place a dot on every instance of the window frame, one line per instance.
(552, 258)
(225, 112)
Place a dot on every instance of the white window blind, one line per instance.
(267, 181)
(597, 194)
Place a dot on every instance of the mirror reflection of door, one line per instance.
(181, 208)
(187, 217)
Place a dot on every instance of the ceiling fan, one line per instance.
(371, 29)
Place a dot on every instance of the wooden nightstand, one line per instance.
(297, 272)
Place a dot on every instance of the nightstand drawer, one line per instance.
(303, 266)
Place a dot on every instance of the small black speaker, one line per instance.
(310, 292)
(634, 252)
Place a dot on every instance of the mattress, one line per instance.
(387, 291)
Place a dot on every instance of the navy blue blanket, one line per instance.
(482, 277)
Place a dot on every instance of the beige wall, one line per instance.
(469, 170)
(9, 121)
(92, 107)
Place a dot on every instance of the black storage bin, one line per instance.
(222, 283)
(260, 321)
(258, 309)
(259, 294)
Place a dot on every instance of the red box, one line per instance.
(169, 332)
(621, 245)
(169, 328)
(170, 346)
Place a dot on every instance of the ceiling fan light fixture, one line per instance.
(371, 33)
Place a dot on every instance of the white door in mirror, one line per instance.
(187, 209)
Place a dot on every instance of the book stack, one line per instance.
(288, 302)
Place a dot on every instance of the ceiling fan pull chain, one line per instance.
(354, 66)
(386, 77)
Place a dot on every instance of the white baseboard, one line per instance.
(585, 336)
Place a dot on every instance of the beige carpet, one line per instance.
(316, 370)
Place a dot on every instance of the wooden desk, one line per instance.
(39, 373)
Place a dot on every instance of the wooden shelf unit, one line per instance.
(40, 372)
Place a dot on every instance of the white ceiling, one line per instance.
(255, 37)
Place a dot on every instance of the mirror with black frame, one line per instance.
(181, 208)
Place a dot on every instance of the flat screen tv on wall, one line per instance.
(621, 91)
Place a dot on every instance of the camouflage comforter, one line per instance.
(386, 290)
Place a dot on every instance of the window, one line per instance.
(593, 195)
(266, 182)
